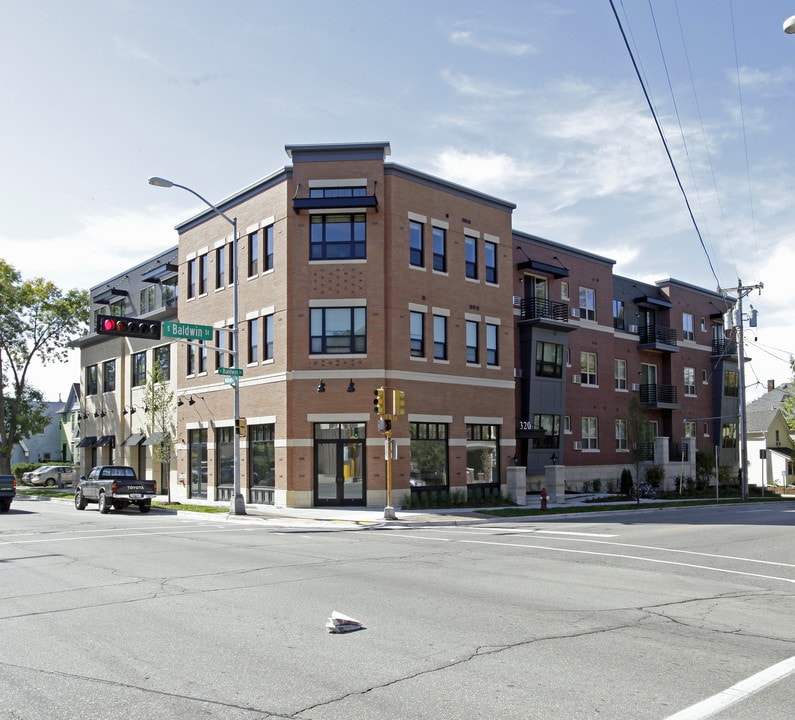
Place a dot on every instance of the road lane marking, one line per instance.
(737, 693)
(111, 537)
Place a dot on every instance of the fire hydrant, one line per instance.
(543, 498)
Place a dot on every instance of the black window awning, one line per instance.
(556, 271)
(133, 439)
(106, 441)
(106, 296)
(160, 273)
(650, 301)
(87, 441)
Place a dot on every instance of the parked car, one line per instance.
(51, 475)
(7, 491)
(114, 486)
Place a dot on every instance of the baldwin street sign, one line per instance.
(187, 331)
(236, 372)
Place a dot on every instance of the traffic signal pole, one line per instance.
(385, 427)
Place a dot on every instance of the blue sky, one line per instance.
(535, 102)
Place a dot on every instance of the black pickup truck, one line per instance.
(114, 486)
(7, 491)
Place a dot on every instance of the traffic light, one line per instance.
(242, 427)
(384, 426)
(399, 402)
(128, 327)
(379, 402)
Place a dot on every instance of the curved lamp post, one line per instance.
(237, 504)
(789, 25)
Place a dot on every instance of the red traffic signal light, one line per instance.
(128, 327)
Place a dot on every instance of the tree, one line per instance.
(38, 321)
(159, 403)
(639, 437)
(788, 403)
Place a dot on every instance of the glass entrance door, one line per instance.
(339, 464)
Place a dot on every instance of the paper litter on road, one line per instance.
(339, 623)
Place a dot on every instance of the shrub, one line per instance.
(626, 481)
(597, 484)
(655, 474)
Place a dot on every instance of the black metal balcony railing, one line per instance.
(656, 394)
(537, 309)
(724, 346)
(656, 335)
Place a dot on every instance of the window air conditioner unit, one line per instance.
(633, 329)
(517, 301)
(576, 379)
(635, 387)
(517, 372)
(577, 445)
(575, 312)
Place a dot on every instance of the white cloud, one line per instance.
(474, 87)
(500, 46)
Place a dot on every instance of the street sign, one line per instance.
(237, 372)
(230, 380)
(187, 331)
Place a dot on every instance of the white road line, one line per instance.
(631, 557)
(62, 539)
(737, 693)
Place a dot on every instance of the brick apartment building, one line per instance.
(355, 273)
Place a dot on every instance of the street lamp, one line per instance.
(789, 25)
(237, 505)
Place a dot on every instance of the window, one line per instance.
(564, 289)
(197, 462)
(91, 380)
(262, 455)
(690, 429)
(220, 267)
(492, 356)
(471, 256)
(338, 192)
(688, 327)
(224, 455)
(191, 360)
(191, 282)
(267, 340)
(620, 372)
(439, 337)
(549, 360)
(168, 292)
(550, 424)
(416, 244)
(490, 260)
(109, 376)
(729, 435)
(253, 341)
(417, 334)
(139, 369)
(338, 330)
(590, 433)
(621, 436)
(731, 383)
(439, 249)
(428, 451)
(338, 237)
(162, 359)
(472, 341)
(704, 377)
(224, 341)
(690, 381)
(202, 353)
(232, 255)
(267, 250)
(483, 461)
(253, 253)
(588, 368)
(148, 300)
(202, 274)
(587, 304)
(618, 314)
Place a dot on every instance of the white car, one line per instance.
(52, 475)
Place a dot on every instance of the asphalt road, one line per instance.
(656, 614)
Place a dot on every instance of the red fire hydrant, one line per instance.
(543, 498)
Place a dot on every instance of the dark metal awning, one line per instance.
(106, 441)
(154, 438)
(87, 441)
(651, 301)
(133, 440)
(556, 271)
(786, 452)
(106, 296)
(160, 273)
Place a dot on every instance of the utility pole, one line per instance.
(742, 292)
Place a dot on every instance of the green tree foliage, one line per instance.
(788, 403)
(38, 320)
(639, 438)
(159, 402)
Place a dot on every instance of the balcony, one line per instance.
(657, 337)
(657, 395)
(724, 347)
(545, 313)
